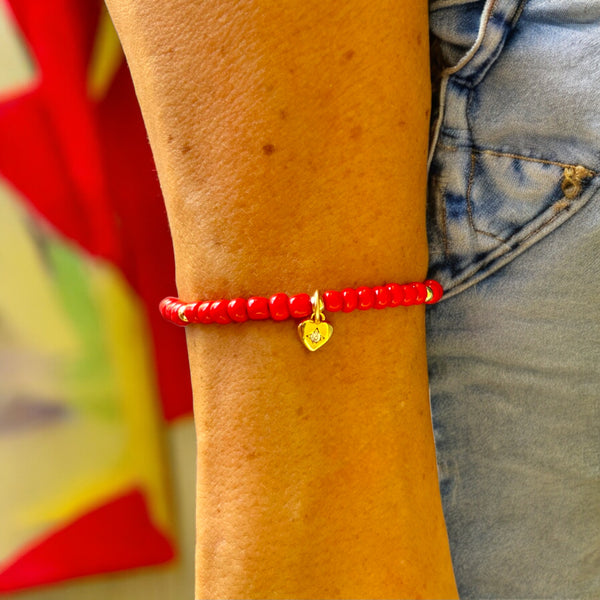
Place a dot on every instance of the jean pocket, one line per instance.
(507, 191)
(486, 207)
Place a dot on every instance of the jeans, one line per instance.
(514, 347)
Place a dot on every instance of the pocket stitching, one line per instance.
(527, 158)
(470, 206)
(516, 245)
(474, 152)
(482, 270)
(499, 153)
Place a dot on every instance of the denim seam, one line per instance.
(545, 224)
(450, 148)
(441, 199)
(438, 204)
(563, 204)
(470, 206)
(475, 78)
(444, 223)
(516, 245)
(451, 75)
(500, 154)
(527, 158)
(479, 75)
(443, 4)
(452, 71)
(448, 74)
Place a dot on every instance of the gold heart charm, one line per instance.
(315, 334)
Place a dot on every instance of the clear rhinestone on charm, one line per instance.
(315, 336)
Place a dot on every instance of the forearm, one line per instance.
(290, 140)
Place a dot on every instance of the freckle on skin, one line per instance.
(283, 115)
(356, 132)
(419, 39)
(185, 148)
(170, 138)
(300, 411)
(348, 55)
(268, 149)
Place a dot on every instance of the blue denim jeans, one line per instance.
(514, 348)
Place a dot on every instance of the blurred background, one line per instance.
(96, 437)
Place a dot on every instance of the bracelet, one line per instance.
(315, 330)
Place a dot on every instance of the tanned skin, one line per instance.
(290, 139)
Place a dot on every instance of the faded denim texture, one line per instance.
(514, 348)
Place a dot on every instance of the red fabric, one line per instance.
(86, 167)
(115, 536)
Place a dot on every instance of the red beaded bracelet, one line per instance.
(314, 331)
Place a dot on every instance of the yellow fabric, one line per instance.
(107, 57)
(79, 416)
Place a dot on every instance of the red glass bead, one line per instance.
(218, 311)
(237, 311)
(410, 294)
(194, 315)
(349, 299)
(164, 303)
(191, 312)
(436, 289)
(382, 296)
(300, 306)
(333, 300)
(170, 308)
(278, 307)
(365, 297)
(258, 308)
(163, 306)
(396, 294)
(421, 292)
(203, 313)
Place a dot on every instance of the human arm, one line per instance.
(290, 141)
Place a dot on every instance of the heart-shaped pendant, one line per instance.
(315, 331)
(315, 334)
